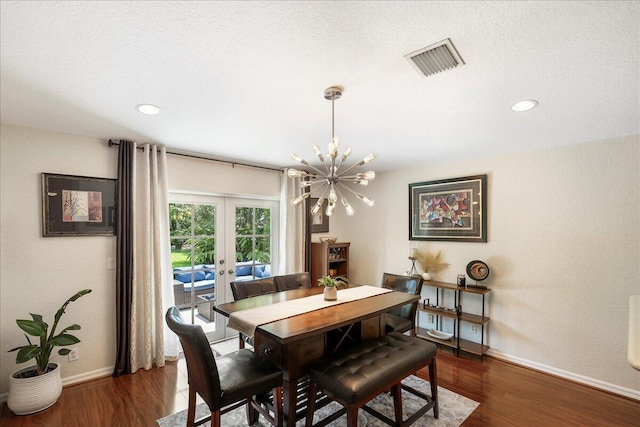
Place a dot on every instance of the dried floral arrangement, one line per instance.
(431, 261)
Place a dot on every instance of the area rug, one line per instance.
(454, 409)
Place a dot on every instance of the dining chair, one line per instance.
(228, 382)
(402, 319)
(251, 288)
(288, 282)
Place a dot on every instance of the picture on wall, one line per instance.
(452, 209)
(319, 222)
(77, 205)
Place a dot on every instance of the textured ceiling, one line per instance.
(245, 80)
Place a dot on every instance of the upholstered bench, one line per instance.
(357, 375)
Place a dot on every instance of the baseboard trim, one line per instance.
(591, 382)
(75, 379)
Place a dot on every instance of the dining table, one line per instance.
(295, 341)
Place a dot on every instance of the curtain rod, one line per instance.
(193, 156)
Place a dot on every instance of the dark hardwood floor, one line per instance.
(509, 395)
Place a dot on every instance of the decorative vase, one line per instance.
(426, 275)
(34, 394)
(330, 293)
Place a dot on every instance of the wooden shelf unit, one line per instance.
(458, 316)
(326, 257)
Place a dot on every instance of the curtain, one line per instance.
(293, 228)
(145, 289)
(124, 258)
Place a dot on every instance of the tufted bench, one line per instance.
(357, 375)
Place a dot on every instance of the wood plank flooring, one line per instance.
(509, 395)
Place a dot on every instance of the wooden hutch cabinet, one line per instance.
(329, 259)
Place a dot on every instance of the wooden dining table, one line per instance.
(296, 342)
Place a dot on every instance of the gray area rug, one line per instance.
(454, 409)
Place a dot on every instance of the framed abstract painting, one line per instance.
(77, 205)
(452, 209)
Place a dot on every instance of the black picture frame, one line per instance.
(78, 205)
(453, 209)
(319, 223)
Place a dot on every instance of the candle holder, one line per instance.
(413, 271)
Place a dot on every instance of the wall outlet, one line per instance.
(473, 328)
(430, 318)
(73, 355)
(111, 264)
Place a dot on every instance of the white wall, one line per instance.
(38, 274)
(563, 249)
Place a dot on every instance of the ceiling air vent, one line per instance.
(435, 58)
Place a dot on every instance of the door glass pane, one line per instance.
(193, 261)
(253, 242)
(244, 221)
(263, 221)
(263, 249)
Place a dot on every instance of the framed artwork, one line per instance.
(77, 205)
(452, 209)
(319, 222)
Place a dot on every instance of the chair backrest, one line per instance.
(201, 364)
(407, 284)
(288, 282)
(252, 288)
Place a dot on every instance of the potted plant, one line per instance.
(331, 286)
(431, 263)
(38, 387)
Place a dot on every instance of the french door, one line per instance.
(214, 241)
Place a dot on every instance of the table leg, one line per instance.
(289, 400)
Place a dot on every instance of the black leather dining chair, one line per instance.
(228, 382)
(288, 282)
(251, 288)
(402, 319)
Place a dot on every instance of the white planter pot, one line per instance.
(30, 395)
(330, 293)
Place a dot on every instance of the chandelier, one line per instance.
(331, 181)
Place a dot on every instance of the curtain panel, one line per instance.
(293, 228)
(143, 290)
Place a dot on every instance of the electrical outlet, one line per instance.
(111, 264)
(73, 355)
(430, 318)
(473, 328)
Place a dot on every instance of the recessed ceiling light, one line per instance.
(148, 109)
(525, 105)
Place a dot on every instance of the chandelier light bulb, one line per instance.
(369, 176)
(332, 196)
(365, 199)
(347, 206)
(316, 208)
(297, 200)
(367, 159)
(362, 182)
(316, 150)
(345, 154)
(330, 208)
(333, 148)
(295, 173)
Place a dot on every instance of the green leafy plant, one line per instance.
(40, 329)
(337, 282)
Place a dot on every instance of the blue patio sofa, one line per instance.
(204, 279)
